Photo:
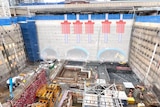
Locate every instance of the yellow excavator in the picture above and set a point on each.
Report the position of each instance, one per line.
(47, 96)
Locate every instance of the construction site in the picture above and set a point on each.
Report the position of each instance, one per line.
(79, 53)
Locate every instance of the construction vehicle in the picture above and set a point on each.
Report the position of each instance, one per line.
(47, 96)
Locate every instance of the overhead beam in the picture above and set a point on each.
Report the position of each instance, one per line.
(92, 7)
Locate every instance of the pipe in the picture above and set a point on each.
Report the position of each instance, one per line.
(77, 16)
(106, 35)
(106, 16)
(11, 88)
(89, 16)
(65, 16)
(148, 71)
(98, 43)
(121, 16)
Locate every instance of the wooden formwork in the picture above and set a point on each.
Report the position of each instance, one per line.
(143, 43)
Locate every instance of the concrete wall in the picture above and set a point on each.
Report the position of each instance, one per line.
(52, 42)
(4, 9)
(145, 52)
(12, 39)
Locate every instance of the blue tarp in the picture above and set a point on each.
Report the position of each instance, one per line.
(152, 19)
(5, 21)
(42, 3)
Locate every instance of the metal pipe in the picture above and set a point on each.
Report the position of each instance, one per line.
(106, 16)
(65, 16)
(151, 60)
(89, 16)
(77, 16)
(98, 41)
(121, 16)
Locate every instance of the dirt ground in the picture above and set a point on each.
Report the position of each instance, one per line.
(70, 74)
(4, 93)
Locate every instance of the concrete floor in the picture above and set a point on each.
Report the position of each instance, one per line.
(123, 76)
(69, 74)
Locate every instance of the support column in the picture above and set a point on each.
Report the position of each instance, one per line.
(4, 8)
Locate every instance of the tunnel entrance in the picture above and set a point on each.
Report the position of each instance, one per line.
(77, 53)
(48, 53)
(112, 55)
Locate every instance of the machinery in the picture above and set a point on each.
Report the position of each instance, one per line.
(16, 80)
(48, 64)
(47, 96)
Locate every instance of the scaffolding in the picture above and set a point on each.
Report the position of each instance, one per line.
(101, 95)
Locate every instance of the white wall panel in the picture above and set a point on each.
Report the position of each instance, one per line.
(50, 36)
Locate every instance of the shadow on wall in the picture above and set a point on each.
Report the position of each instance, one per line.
(112, 55)
(49, 53)
(77, 53)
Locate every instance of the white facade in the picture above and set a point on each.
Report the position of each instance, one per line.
(4, 8)
(51, 39)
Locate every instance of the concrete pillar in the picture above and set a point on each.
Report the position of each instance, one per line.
(4, 8)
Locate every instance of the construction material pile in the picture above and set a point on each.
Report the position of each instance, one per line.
(28, 96)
